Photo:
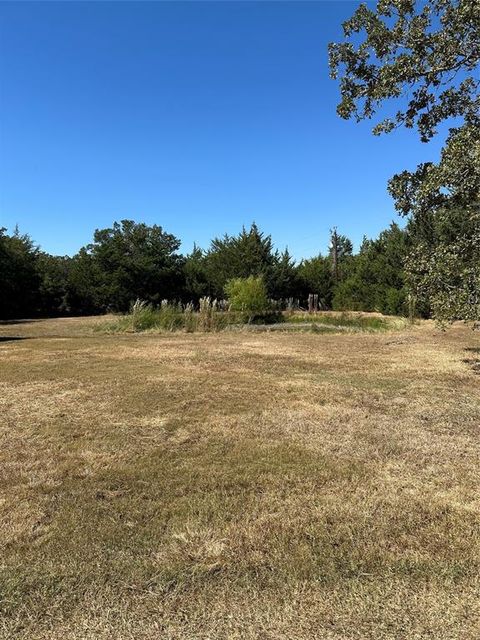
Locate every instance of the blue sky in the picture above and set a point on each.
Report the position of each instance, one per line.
(200, 117)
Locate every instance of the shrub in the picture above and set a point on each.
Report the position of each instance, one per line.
(248, 295)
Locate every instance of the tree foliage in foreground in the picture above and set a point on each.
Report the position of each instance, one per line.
(444, 265)
(425, 56)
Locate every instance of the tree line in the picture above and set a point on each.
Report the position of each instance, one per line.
(132, 260)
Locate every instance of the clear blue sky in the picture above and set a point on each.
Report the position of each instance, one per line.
(200, 117)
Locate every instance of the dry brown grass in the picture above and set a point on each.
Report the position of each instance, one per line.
(238, 486)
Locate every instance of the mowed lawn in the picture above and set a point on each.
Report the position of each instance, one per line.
(239, 485)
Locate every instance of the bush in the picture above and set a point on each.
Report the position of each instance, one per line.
(248, 295)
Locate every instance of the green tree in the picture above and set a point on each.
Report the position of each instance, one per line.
(340, 253)
(196, 276)
(19, 279)
(426, 56)
(250, 253)
(283, 277)
(376, 281)
(128, 261)
(315, 276)
(54, 273)
(86, 288)
(443, 267)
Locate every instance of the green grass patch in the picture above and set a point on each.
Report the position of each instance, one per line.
(350, 321)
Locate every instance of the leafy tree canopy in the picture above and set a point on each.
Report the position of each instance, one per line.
(444, 265)
(315, 276)
(376, 278)
(425, 56)
(250, 253)
(19, 279)
(54, 290)
(196, 277)
(340, 252)
(425, 52)
(129, 261)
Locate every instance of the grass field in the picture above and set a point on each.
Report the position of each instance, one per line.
(239, 485)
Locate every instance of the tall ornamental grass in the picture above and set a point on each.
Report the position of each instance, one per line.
(171, 316)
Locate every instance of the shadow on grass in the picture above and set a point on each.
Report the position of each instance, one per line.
(11, 338)
(473, 362)
(22, 321)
